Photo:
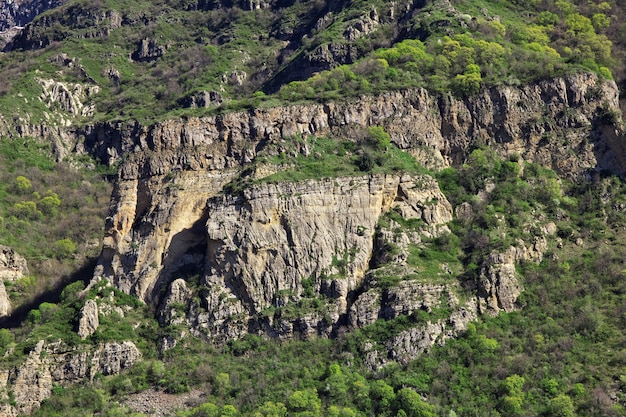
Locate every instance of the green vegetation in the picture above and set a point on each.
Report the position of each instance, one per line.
(197, 46)
(299, 159)
(50, 213)
(550, 358)
(491, 44)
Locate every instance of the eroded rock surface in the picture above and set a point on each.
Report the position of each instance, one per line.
(12, 267)
(88, 321)
(270, 245)
(55, 363)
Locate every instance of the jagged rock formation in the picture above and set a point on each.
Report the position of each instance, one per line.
(71, 98)
(15, 14)
(88, 320)
(498, 286)
(225, 263)
(12, 267)
(262, 246)
(531, 121)
(168, 218)
(20, 12)
(148, 50)
(31, 382)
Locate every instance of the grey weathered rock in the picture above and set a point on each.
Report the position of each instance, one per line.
(498, 286)
(15, 14)
(20, 12)
(71, 98)
(88, 321)
(12, 267)
(410, 343)
(202, 99)
(363, 26)
(55, 363)
(178, 295)
(166, 213)
(148, 50)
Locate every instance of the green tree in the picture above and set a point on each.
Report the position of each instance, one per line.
(49, 204)
(512, 403)
(383, 396)
(26, 210)
(6, 338)
(380, 139)
(64, 248)
(304, 403)
(23, 184)
(206, 410)
(271, 409)
(411, 403)
(229, 411)
(578, 23)
(222, 385)
(469, 82)
(336, 383)
(561, 406)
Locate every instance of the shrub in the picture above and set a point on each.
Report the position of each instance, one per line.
(380, 139)
(49, 204)
(469, 82)
(26, 210)
(6, 338)
(64, 248)
(23, 184)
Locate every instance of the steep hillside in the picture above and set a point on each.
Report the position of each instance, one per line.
(408, 208)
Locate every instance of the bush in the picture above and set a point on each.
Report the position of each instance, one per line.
(64, 248)
(23, 184)
(26, 210)
(380, 139)
(49, 204)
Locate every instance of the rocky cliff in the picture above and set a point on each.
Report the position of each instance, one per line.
(23, 387)
(15, 14)
(196, 227)
(252, 252)
(12, 267)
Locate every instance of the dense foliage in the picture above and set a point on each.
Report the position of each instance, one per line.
(550, 358)
(304, 50)
(51, 213)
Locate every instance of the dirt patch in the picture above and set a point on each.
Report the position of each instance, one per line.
(156, 403)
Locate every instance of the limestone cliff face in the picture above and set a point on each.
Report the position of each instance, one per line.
(170, 219)
(12, 267)
(55, 363)
(534, 122)
(269, 246)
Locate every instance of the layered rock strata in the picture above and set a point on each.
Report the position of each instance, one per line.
(29, 383)
(170, 218)
(12, 267)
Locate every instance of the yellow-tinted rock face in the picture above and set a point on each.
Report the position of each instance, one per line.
(272, 245)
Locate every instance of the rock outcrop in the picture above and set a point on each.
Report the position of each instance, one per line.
(532, 121)
(15, 14)
(20, 12)
(498, 286)
(148, 50)
(88, 320)
(170, 220)
(55, 363)
(71, 98)
(258, 251)
(12, 267)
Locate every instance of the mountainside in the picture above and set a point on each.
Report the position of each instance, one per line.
(408, 208)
